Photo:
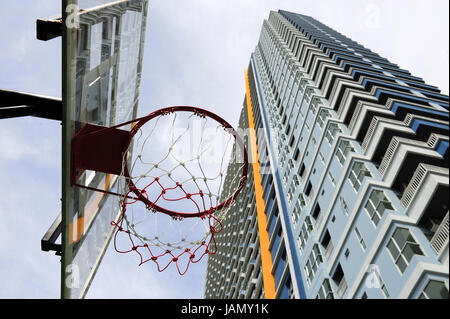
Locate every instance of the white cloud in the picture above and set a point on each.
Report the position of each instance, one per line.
(20, 140)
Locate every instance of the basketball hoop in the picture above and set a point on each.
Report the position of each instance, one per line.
(179, 171)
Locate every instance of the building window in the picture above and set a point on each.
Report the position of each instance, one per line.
(332, 130)
(381, 283)
(313, 263)
(302, 170)
(296, 154)
(344, 204)
(296, 214)
(340, 281)
(435, 290)
(376, 205)
(317, 213)
(308, 93)
(303, 84)
(301, 201)
(296, 180)
(333, 181)
(314, 104)
(325, 291)
(347, 253)
(307, 228)
(291, 164)
(357, 174)
(307, 127)
(343, 149)
(403, 248)
(322, 117)
(322, 159)
(360, 239)
(285, 178)
(327, 245)
(290, 193)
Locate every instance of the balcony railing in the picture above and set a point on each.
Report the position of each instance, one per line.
(355, 116)
(440, 238)
(369, 134)
(435, 138)
(388, 155)
(416, 181)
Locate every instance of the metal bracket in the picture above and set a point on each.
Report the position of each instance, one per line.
(48, 242)
(48, 28)
(18, 104)
(98, 148)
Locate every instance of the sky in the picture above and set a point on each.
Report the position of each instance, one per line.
(195, 54)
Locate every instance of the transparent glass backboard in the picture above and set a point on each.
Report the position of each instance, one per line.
(103, 45)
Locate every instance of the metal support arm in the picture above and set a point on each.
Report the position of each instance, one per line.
(48, 242)
(48, 28)
(18, 104)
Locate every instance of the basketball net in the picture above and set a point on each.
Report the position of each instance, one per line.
(181, 180)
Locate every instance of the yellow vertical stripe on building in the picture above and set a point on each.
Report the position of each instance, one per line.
(266, 257)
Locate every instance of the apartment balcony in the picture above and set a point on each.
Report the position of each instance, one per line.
(361, 123)
(402, 158)
(343, 94)
(380, 133)
(413, 126)
(361, 119)
(426, 201)
(423, 182)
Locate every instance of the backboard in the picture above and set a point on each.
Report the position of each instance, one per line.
(102, 51)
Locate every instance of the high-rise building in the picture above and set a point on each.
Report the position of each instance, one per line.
(348, 195)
